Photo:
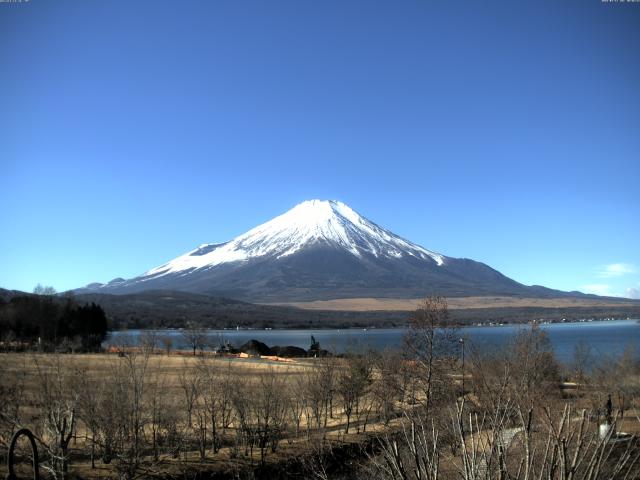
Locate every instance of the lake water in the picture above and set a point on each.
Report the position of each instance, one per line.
(606, 338)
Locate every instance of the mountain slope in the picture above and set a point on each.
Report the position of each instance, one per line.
(321, 250)
(311, 223)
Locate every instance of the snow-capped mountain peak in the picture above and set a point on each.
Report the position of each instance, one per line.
(318, 250)
(322, 222)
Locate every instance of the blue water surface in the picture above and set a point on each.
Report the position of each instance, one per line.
(606, 338)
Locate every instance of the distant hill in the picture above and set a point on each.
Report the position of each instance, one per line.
(172, 309)
(167, 309)
(176, 309)
(6, 295)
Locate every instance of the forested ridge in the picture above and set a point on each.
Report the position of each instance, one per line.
(171, 309)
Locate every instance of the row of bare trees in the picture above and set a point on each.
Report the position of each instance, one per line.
(131, 412)
(513, 420)
(503, 416)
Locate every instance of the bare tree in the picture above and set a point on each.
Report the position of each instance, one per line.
(242, 395)
(318, 462)
(203, 409)
(44, 290)
(158, 409)
(59, 408)
(297, 401)
(90, 395)
(149, 341)
(618, 377)
(195, 337)
(12, 391)
(414, 454)
(316, 397)
(556, 446)
(353, 381)
(189, 381)
(211, 399)
(261, 412)
(582, 358)
(225, 390)
(270, 411)
(123, 418)
(430, 341)
(327, 385)
(167, 343)
(388, 386)
(535, 373)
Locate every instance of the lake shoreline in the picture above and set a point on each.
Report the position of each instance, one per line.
(374, 327)
(604, 337)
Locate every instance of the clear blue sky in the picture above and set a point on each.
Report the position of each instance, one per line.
(507, 132)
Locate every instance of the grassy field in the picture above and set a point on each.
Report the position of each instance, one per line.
(163, 416)
(456, 303)
(178, 375)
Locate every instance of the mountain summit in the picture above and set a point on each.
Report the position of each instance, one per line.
(314, 223)
(320, 250)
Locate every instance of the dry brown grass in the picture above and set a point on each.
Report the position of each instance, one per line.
(170, 368)
(454, 303)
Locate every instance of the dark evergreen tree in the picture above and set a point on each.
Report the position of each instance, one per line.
(47, 322)
(314, 348)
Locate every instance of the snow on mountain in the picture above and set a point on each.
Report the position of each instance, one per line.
(319, 250)
(311, 222)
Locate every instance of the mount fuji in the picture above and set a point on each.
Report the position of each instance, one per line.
(321, 250)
